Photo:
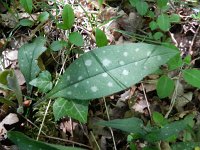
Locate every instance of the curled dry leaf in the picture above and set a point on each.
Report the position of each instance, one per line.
(140, 106)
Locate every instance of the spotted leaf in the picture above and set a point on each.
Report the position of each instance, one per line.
(72, 108)
(27, 58)
(25, 143)
(110, 69)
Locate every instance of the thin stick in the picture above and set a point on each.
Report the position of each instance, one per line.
(95, 140)
(43, 119)
(145, 96)
(65, 140)
(193, 40)
(111, 131)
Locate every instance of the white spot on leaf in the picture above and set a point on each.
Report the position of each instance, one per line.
(125, 72)
(68, 78)
(88, 62)
(137, 49)
(121, 62)
(94, 88)
(136, 63)
(104, 74)
(110, 84)
(125, 54)
(76, 85)
(158, 57)
(148, 53)
(106, 62)
(80, 78)
(69, 93)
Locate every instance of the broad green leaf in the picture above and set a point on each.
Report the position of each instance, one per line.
(187, 59)
(43, 82)
(26, 22)
(165, 86)
(25, 143)
(58, 45)
(110, 69)
(101, 39)
(159, 119)
(192, 76)
(14, 85)
(175, 18)
(163, 22)
(133, 2)
(175, 62)
(76, 39)
(73, 108)
(27, 5)
(68, 17)
(142, 7)
(43, 17)
(153, 25)
(3, 76)
(27, 58)
(162, 3)
(185, 145)
(167, 131)
(158, 35)
(130, 125)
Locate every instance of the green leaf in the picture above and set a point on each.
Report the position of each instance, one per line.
(192, 76)
(27, 5)
(166, 131)
(142, 7)
(110, 69)
(165, 86)
(27, 58)
(175, 63)
(100, 2)
(162, 3)
(153, 25)
(73, 108)
(130, 125)
(133, 2)
(15, 87)
(159, 119)
(158, 35)
(43, 17)
(58, 45)
(163, 22)
(25, 143)
(43, 82)
(3, 76)
(76, 39)
(101, 39)
(68, 17)
(175, 18)
(26, 22)
(185, 145)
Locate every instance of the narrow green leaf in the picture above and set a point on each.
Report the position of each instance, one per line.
(26, 22)
(27, 5)
(142, 7)
(110, 69)
(101, 39)
(165, 86)
(73, 108)
(130, 125)
(27, 58)
(43, 17)
(163, 22)
(192, 76)
(25, 143)
(166, 131)
(43, 82)
(68, 17)
(185, 145)
(14, 85)
(76, 39)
